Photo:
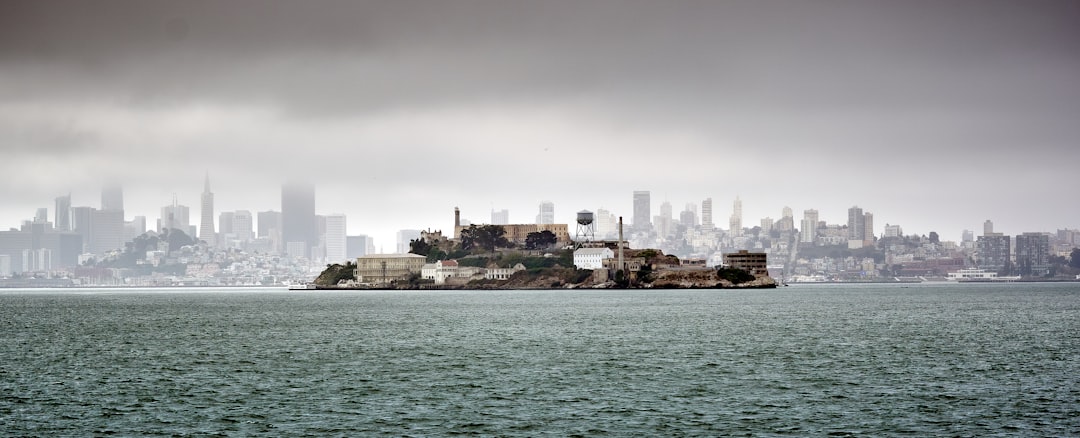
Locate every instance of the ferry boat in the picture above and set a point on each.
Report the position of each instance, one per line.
(976, 274)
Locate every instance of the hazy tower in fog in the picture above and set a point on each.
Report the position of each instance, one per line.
(62, 215)
(546, 214)
(642, 211)
(112, 198)
(736, 218)
(298, 232)
(988, 228)
(206, 225)
(706, 213)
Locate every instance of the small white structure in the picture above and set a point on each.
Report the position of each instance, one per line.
(503, 273)
(592, 258)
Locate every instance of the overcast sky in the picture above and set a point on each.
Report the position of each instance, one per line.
(935, 115)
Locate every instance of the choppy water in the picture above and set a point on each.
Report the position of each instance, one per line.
(960, 360)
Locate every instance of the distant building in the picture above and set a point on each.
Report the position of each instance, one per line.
(298, 228)
(546, 214)
(808, 233)
(988, 228)
(62, 214)
(359, 245)
(736, 219)
(753, 262)
(642, 212)
(502, 217)
(206, 225)
(1033, 254)
(592, 258)
(706, 215)
(112, 198)
(856, 224)
(404, 237)
(174, 216)
(893, 231)
(384, 268)
(992, 252)
(334, 238)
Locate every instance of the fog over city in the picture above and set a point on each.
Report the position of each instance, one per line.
(935, 115)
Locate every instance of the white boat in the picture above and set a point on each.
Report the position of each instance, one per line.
(302, 286)
(976, 274)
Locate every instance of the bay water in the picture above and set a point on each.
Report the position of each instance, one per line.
(806, 360)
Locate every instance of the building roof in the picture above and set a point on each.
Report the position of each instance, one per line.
(592, 251)
(391, 256)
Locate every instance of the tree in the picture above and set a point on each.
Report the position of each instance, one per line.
(1074, 258)
(540, 240)
(486, 237)
(934, 237)
(419, 247)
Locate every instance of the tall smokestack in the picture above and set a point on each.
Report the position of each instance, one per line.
(457, 221)
(621, 247)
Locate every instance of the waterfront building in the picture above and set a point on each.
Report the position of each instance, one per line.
(1033, 254)
(753, 262)
(642, 212)
(546, 214)
(206, 225)
(298, 230)
(384, 268)
(992, 252)
(592, 258)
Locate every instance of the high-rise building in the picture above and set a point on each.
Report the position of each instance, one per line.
(500, 217)
(1033, 254)
(664, 222)
(736, 218)
(893, 231)
(206, 225)
(766, 225)
(62, 214)
(134, 228)
(174, 217)
(225, 226)
(298, 230)
(546, 214)
(992, 252)
(856, 224)
(112, 198)
(357, 246)
(988, 228)
(243, 226)
(808, 233)
(642, 211)
(107, 231)
(607, 225)
(334, 238)
(786, 222)
(269, 227)
(967, 236)
(868, 229)
(404, 237)
(82, 224)
(689, 216)
(706, 214)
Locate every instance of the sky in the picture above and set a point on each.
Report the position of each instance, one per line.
(934, 115)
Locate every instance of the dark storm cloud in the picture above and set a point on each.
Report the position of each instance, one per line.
(825, 93)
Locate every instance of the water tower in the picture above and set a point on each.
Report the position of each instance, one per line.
(586, 227)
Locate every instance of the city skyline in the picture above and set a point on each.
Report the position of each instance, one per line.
(933, 116)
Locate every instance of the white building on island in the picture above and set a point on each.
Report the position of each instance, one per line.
(592, 258)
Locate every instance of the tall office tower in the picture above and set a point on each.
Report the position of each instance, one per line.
(706, 213)
(1033, 254)
(83, 225)
(107, 231)
(808, 233)
(642, 211)
(664, 222)
(786, 222)
(41, 216)
(868, 228)
(134, 228)
(334, 238)
(359, 245)
(206, 225)
(243, 226)
(174, 217)
(736, 218)
(689, 216)
(112, 198)
(968, 236)
(500, 217)
(992, 252)
(546, 214)
(225, 226)
(988, 228)
(62, 215)
(607, 225)
(269, 223)
(298, 232)
(404, 237)
(856, 225)
(893, 231)
(766, 225)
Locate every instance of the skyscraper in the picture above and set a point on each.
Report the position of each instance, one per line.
(992, 252)
(856, 224)
(988, 228)
(868, 229)
(175, 216)
(642, 211)
(736, 218)
(206, 225)
(546, 214)
(1033, 254)
(500, 217)
(404, 237)
(808, 233)
(706, 214)
(298, 230)
(112, 198)
(243, 226)
(334, 238)
(62, 215)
